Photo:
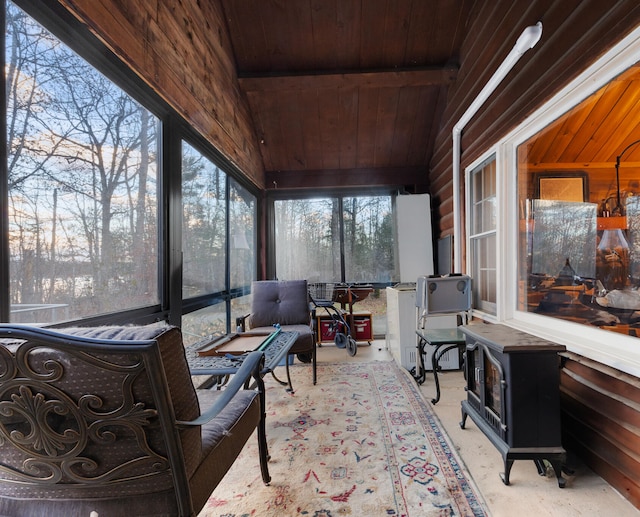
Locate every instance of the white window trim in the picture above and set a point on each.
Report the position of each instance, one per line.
(610, 348)
(477, 313)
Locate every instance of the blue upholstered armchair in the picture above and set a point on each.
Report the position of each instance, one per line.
(283, 302)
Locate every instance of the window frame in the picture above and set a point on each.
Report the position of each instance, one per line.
(618, 351)
(174, 128)
(472, 236)
(341, 194)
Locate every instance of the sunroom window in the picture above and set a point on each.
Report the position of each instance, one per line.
(82, 184)
(482, 235)
(579, 218)
(335, 239)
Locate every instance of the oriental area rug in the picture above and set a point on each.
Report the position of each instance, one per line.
(362, 442)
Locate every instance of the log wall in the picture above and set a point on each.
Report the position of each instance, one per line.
(183, 51)
(601, 406)
(575, 34)
(601, 421)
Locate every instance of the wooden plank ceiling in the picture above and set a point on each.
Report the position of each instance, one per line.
(595, 132)
(347, 87)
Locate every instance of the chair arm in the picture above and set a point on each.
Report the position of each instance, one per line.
(250, 367)
(241, 322)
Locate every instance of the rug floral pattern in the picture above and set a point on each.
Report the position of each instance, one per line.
(362, 442)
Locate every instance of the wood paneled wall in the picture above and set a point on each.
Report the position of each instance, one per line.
(182, 50)
(601, 407)
(575, 33)
(601, 421)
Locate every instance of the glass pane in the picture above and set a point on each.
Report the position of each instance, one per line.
(203, 224)
(308, 239)
(368, 239)
(578, 241)
(492, 382)
(484, 198)
(240, 306)
(484, 272)
(242, 224)
(206, 322)
(82, 176)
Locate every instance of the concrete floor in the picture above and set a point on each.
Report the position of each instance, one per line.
(529, 494)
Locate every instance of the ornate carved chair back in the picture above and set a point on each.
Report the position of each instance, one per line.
(87, 418)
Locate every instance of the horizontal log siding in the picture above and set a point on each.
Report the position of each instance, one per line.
(182, 50)
(601, 407)
(575, 34)
(601, 421)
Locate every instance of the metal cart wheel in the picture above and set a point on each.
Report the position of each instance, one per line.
(340, 340)
(352, 346)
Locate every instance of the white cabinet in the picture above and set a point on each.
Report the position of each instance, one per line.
(401, 326)
(402, 341)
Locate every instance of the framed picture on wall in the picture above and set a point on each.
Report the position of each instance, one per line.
(562, 186)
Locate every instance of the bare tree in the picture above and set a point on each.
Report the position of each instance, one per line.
(79, 148)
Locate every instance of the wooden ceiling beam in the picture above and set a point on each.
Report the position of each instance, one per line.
(331, 178)
(394, 78)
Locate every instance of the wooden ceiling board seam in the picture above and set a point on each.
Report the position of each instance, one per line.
(421, 144)
(348, 102)
(404, 126)
(466, 16)
(279, 42)
(387, 110)
(371, 40)
(348, 14)
(292, 129)
(367, 119)
(328, 123)
(395, 34)
(436, 120)
(421, 35)
(325, 35)
(310, 128)
(296, 45)
(248, 50)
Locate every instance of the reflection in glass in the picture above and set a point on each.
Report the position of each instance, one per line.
(563, 230)
(633, 225)
(612, 260)
(242, 251)
(203, 224)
